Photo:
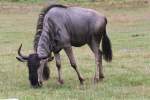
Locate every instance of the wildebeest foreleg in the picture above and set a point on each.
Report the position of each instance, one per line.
(58, 65)
(40, 71)
(70, 55)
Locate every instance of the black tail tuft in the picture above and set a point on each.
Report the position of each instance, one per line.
(46, 72)
(106, 48)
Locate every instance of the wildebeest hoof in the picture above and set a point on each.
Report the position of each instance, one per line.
(82, 81)
(61, 81)
(96, 80)
(101, 77)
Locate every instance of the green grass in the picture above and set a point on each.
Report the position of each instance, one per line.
(126, 78)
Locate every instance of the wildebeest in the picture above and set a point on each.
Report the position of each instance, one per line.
(61, 27)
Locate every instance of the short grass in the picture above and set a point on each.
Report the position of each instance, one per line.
(126, 78)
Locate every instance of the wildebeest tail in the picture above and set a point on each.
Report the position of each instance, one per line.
(106, 47)
(46, 72)
(39, 27)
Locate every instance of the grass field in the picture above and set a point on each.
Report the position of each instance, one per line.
(126, 78)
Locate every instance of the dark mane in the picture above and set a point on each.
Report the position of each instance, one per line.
(39, 27)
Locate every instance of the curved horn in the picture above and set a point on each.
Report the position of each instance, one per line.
(19, 53)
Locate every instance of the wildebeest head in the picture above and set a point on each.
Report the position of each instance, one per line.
(33, 63)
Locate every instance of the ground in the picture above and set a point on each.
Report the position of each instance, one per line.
(127, 77)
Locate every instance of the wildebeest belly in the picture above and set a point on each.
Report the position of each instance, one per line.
(80, 32)
(74, 39)
(79, 40)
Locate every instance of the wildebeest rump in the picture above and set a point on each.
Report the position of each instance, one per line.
(60, 27)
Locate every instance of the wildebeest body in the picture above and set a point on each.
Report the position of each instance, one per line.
(60, 27)
(64, 27)
(73, 26)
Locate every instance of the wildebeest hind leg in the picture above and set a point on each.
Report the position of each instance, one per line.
(58, 65)
(94, 45)
(70, 55)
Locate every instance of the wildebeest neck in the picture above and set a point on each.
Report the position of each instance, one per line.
(43, 48)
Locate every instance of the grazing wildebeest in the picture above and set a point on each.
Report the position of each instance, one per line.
(60, 27)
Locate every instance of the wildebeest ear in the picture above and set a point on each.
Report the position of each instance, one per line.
(21, 59)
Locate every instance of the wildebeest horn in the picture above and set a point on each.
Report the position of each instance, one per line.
(21, 57)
